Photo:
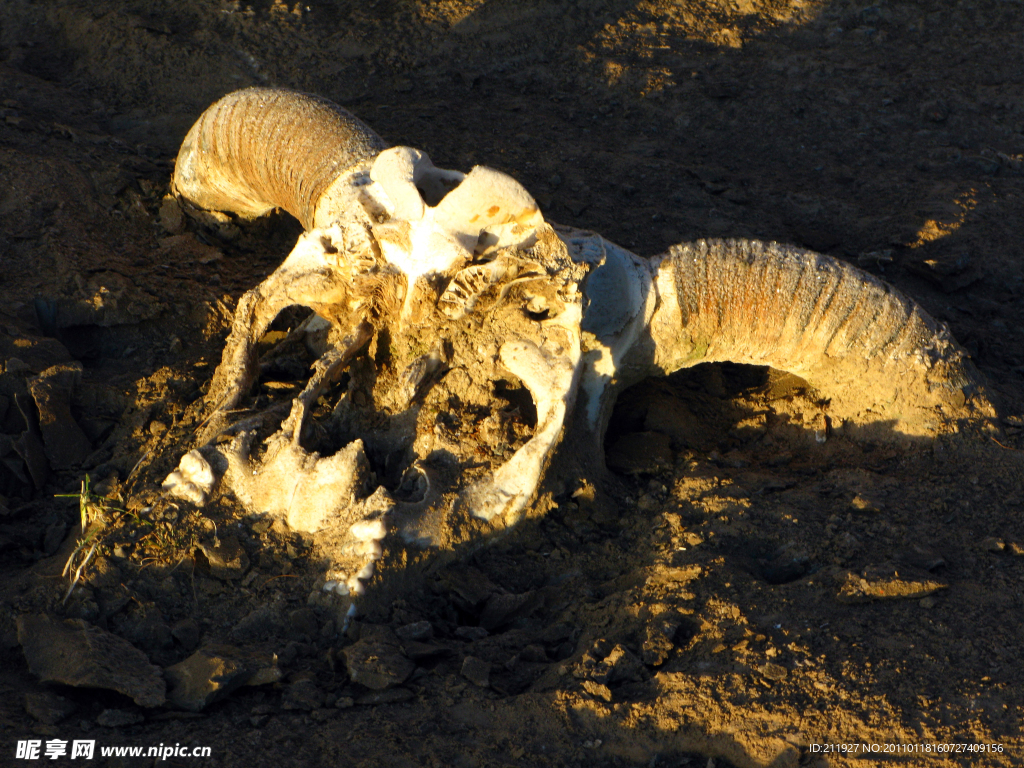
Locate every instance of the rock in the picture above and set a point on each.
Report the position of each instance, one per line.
(78, 654)
(534, 653)
(186, 632)
(597, 690)
(658, 642)
(773, 671)
(47, 707)
(171, 218)
(418, 631)
(118, 718)
(885, 582)
(623, 666)
(477, 671)
(377, 662)
(54, 537)
(469, 588)
(640, 453)
(213, 672)
(227, 559)
(303, 695)
(608, 667)
(63, 440)
(103, 573)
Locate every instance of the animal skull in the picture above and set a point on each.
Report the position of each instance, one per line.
(465, 327)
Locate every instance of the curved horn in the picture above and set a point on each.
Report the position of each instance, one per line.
(260, 148)
(878, 355)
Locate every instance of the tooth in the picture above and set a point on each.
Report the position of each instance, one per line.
(366, 572)
(338, 587)
(363, 548)
(368, 530)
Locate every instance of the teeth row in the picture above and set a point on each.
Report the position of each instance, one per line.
(194, 480)
(369, 535)
(354, 585)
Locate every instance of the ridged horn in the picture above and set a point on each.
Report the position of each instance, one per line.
(260, 148)
(876, 354)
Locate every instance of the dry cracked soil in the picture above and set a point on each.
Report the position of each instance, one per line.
(751, 590)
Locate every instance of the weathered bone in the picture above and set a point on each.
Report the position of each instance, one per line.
(319, 273)
(559, 310)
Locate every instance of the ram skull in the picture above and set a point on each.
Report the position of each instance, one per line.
(473, 338)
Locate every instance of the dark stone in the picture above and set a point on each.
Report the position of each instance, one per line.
(418, 631)
(377, 662)
(213, 672)
(54, 537)
(227, 559)
(658, 642)
(609, 666)
(262, 623)
(76, 653)
(63, 440)
(773, 671)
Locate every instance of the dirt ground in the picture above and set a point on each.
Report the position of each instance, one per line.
(757, 595)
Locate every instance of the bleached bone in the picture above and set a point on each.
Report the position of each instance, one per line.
(193, 480)
(484, 209)
(562, 314)
(551, 375)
